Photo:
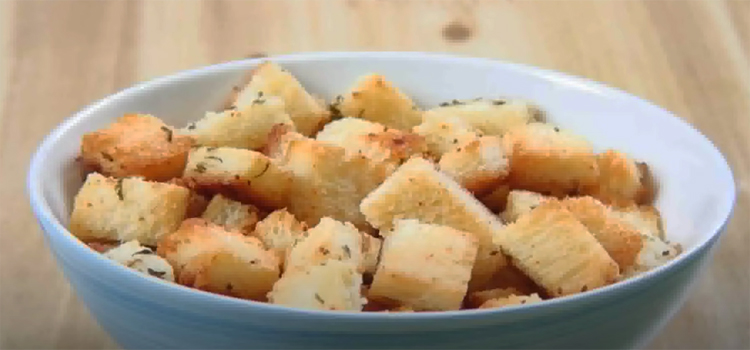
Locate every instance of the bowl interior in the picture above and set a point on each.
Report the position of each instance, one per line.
(696, 185)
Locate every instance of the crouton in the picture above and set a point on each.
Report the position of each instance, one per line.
(445, 135)
(328, 182)
(142, 259)
(240, 174)
(233, 215)
(556, 251)
(246, 127)
(520, 202)
(425, 267)
(497, 199)
(278, 140)
(546, 159)
(197, 203)
(126, 209)
(270, 79)
(655, 252)
(372, 140)
(476, 299)
(491, 117)
(328, 240)
(646, 219)
(208, 257)
(136, 145)
(479, 166)
(511, 300)
(334, 286)
(370, 253)
(377, 100)
(619, 239)
(278, 231)
(418, 191)
(510, 277)
(619, 182)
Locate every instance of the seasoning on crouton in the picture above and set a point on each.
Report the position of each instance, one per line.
(278, 231)
(142, 259)
(654, 253)
(240, 174)
(136, 145)
(373, 140)
(233, 215)
(377, 100)
(425, 267)
(443, 135)
(208, 257)
(497, 199)
(553, 248)
(521, 202)
(328, 240)
(619, 183)
(479, 166)
(269, 79)
(328, 182)
(127, 208)
(476, 299)
(246, 127)
(418, 191)
(333, 286)
(491, 117)
(546, 159)
(511, 300)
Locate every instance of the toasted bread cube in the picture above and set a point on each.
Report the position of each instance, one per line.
(278, 141)
(557, 251)
(655, 252)
(240, 174)
(370, 253)
(425, 267)
(520, 202)
(208, 257)
(479, 166)
(511, 300)
(278, 231)
(136, 145)
(491, 117)
(546, 159)
(443, 135)
(510, 277)
(497, 199)
(377, 100)
(645, 219)
(619, 182)
(328, 182)
(247, 127)
(126, 209)
(476, 299)
(142, 259)
(418, 191)
(233, 215)
(333, 286)
(375, 141)
(622, 241)
(269, 79)
(328, 240)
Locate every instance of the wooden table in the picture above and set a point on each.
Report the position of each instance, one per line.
(691, 57)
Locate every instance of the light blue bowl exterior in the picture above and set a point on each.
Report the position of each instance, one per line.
(145, 313)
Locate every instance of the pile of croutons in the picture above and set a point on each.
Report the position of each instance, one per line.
(367, 202)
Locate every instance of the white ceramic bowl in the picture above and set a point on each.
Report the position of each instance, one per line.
(696, 199)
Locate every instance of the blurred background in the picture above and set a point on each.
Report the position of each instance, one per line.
(691, 57)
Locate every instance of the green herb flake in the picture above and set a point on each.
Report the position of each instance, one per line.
(118, 189)
(215, 158)
(498, 102)
(169, 133)
(347, 251)
(158, 274)
(144, 252)
(191, 126)
(107, 156)
(201, 168)
(319, 299)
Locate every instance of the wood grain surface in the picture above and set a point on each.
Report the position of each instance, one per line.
(692, 57)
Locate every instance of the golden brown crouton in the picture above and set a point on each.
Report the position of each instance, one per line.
(425, 267)
(270, 79)
(233, 215)
(372, 140)
(332, 286)
(511, 300)
(142, 259)
(476, 299)
(655, 252)
(278, 231)
(278, 140)
(247, 127)
(619, 182)
(418, 191)
(328, 240)
(497, 199)
(479, 166)
(127, 208)
(646, 219)
(375, 99)
(546, 159)
(240, 174)
(445, 135)
(510, 277)
(520, 202)
(208, 257)
(491, 117)
(328, 182)
(136, 145)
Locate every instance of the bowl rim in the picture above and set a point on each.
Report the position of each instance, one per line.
(43, 212)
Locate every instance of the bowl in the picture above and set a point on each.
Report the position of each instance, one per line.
(696, 197)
